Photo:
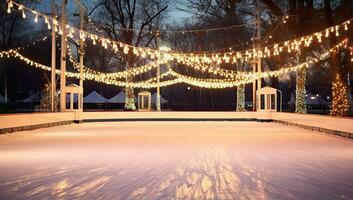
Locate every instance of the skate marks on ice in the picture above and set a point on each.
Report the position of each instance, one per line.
(198, 161)
(211, 172)
(207, 174)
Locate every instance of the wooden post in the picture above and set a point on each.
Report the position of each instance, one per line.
(53, 59)
(81, 53)
(158, 96)
(63, 57)
(257, 63)
(258, 40)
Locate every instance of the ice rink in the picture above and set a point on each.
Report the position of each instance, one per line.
(175, 160)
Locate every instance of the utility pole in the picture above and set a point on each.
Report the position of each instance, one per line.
(158, 96)
(254, 82)
(63, 57)
(257, 63)
(81, 53)
(258, 40)
(53, 58)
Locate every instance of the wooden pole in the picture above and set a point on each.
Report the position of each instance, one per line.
(158, 96)
(53, 59)
(258, 40)
(63, 57)
(81, 53)
(254, 85)
(257, 63)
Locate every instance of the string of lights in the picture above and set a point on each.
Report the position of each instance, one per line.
(289, 46)
(87, 76)
(33, 43)
(204, 83)
(115, 75)
(207, 58)
(207, 30)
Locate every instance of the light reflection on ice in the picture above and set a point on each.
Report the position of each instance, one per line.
(193, 162)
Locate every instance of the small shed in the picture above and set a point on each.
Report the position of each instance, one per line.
(74, 92)
(144, 101)
(266, 99)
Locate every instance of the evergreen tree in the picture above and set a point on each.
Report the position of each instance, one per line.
(46, 97)
(300, 103)
(340, 105)
(241, 98)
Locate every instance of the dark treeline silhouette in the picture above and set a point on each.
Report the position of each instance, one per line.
(305, 17)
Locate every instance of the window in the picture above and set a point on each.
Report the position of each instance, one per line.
(68, 100)
(75, 101)
(273, 102)
(262, 99)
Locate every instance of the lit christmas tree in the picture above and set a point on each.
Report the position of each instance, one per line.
(45, 100)
(300, 103)
(241, 98)
(129, 99)
(340, 103)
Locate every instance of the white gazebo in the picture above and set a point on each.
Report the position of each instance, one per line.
(144, 101)
(267, 99)
(74, 92)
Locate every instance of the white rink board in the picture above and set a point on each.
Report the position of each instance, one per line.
(320, 121)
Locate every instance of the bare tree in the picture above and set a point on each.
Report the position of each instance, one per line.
(132, 22)
(14, 32)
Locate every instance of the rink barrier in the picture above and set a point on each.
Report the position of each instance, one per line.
(342, 127)
(34, 127)
(175, 119)
(314, 128)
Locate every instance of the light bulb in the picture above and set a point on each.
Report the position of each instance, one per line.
(36, 19)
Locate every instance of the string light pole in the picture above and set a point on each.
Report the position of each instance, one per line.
(254, 82)
(257, 62)
(158, 95)
(81, 51)
(63, 57)
(160, 60)
(258, 40)
(53, 59)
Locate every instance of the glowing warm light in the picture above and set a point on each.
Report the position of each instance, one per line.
(203, 58)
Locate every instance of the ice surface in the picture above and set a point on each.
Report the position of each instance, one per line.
(175, 160)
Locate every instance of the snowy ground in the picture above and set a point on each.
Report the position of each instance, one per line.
(175, 160)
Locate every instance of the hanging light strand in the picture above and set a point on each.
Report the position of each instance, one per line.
(206, 58)
(204, 83)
